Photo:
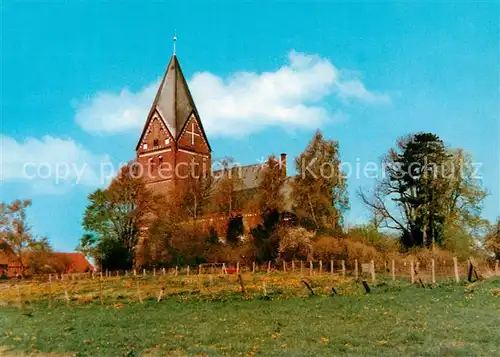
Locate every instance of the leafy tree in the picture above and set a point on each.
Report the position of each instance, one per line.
(265, 239)
(319, 188)
(295, 243)
(463, 225)
(113, 220)
(158, 247)
(195, 194)
(428, 191)
(16, 232)
(270, 193)
(39, 255)
(226, 186)
(492, 240)
(235, 229)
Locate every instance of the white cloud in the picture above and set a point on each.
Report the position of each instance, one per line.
(243, 102)
(50, 165)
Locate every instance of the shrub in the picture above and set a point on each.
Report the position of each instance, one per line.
(294, 243)
(331, 248)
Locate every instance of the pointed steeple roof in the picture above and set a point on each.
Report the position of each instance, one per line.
(173, 101)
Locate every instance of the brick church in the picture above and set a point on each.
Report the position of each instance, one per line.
(173, 140)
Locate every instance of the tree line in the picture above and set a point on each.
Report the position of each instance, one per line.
(428, 197)
(20, 247)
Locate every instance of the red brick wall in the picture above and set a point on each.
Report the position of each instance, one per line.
(168, 163)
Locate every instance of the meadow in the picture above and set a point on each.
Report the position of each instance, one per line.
(274, 315)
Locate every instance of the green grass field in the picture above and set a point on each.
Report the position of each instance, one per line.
(396, 319)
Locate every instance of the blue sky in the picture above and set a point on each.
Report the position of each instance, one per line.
(76, 77)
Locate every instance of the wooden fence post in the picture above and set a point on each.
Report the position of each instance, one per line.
(19, 297)
(393, 269)
(268, 267)
(356, 271)
(144, 272)
(135, 272)
(160, 294)
(412, 273)
(199, 269)
(154, 271)
(253, 267)
(237, 267)
(331, 267)
(497, 272)
(223, 268)
(455, 266)
(187, 270)
(101, 297)
(50, 291)
(293, 266)
(433, 271)
(163, 271)
(66, 295)
(320, 267)
(373, 269)
(301, 268)
(310, 267)
(176, 273)
(284, 266)
(139, 292)
(343, 268)
(240, 279)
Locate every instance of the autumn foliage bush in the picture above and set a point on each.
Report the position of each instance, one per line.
(330, 248)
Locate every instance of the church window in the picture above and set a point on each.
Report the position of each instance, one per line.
(145, 146)
(167, 141)
(155, 142)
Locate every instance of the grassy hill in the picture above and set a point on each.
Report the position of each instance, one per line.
(395, 319)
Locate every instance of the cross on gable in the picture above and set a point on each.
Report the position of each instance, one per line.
(192, 133)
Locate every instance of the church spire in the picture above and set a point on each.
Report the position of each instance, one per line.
(173, 101)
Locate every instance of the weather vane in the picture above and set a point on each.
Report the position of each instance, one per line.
(175, 40)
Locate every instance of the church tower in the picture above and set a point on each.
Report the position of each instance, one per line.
(173, 145)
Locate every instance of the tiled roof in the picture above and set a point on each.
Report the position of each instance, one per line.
(251, 178)
(78, 262)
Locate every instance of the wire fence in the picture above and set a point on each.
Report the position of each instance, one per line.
(432, 269)
(226, 279)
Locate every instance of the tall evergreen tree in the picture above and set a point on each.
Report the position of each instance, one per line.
(431, 188)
